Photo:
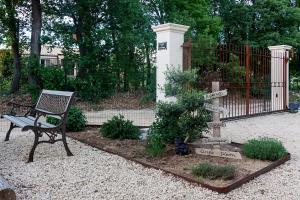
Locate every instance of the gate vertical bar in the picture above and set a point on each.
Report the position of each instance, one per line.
(284, 80)
(187, 55)
(247, 79)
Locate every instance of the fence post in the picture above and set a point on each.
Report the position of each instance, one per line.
(187, 54)
(170, 38)
(279, 77)
(248, 79)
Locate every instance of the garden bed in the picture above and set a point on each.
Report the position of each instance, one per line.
(180, 166)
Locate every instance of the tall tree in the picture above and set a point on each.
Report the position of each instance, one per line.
(261, 23)
(10, 26)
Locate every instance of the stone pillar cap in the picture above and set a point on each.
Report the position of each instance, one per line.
(170, 27)
(280, 47)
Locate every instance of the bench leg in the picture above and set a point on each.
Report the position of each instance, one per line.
(36, 142)
(69, 153)
(9, 131)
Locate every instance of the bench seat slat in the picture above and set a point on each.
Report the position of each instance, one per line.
(26, 121)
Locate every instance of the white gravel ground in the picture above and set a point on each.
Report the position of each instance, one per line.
(93, 174)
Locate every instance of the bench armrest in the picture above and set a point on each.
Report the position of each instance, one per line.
(18, 105)
(40, 113)
(44, 113)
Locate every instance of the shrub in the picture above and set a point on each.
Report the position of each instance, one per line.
(76, 120)
(118, 128)
(167, 122)
(186, 118)
(155, 146)
(53, 78)
(5, 84)
(93, 88)
(264, 149)
(207, 170)
(6, 63)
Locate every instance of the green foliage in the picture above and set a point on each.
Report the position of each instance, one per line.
(186, 118)
(294, 97)
(155, 146)
(261, 23)
(4, 85)
(264, 149)
(260, 86)
(90, 88)
(235, 73)
(51, 78)
(207, 170)
(294, 81)
(54, 78)
(179, 82)
(150, 89)
(34, 92)
(76, 120)
(196, 14)
(6, 64)
(119, 128)
(167, 122)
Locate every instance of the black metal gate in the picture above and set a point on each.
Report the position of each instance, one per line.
(256, 80)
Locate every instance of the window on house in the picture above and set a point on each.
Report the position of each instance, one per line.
(47, 62)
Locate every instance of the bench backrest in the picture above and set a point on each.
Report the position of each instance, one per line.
(53, 101)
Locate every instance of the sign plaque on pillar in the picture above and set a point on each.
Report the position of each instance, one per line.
(162, 46)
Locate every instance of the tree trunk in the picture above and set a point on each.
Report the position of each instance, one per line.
(6, 191)
(17, 65)
(148, 64)
(35, 44)
(81, 32)
(116, 64)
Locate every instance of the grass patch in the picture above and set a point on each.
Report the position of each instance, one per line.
(155, 146)
(207, 170)
(264, 149)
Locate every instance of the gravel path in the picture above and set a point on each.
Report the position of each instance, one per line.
(93, 174)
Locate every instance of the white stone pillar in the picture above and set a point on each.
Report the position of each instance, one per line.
(278, 54)
(170, 38)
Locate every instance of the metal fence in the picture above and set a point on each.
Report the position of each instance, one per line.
(246, 73)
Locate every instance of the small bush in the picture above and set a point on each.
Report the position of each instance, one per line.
(155, 146)
(166, 122)
(76, 120)
(264, 149)
(118, 128)
(207, 170)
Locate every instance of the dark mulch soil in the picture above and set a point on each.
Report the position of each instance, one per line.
(21, 99)
(129, 100)
(181, 165)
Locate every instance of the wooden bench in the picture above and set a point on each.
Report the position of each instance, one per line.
(50, 103)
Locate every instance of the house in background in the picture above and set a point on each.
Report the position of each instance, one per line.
(53, 57)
